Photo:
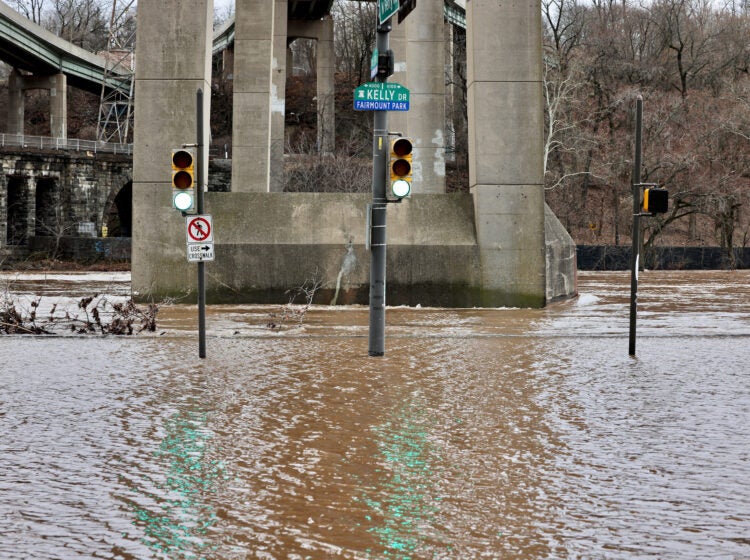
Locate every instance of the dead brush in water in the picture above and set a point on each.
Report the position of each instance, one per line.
(93, 315)
(294, 312)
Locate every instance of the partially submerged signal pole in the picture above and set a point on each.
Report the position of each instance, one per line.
(383, 67)
(648, 200)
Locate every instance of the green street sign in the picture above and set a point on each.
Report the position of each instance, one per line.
(374, 64)
(381, 96)
(386, 9)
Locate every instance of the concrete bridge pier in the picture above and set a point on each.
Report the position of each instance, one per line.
(419, 48)
(173, 60)
(262, 60)
(322, 32)
(56, 84)
(251, 125)
(506, 128)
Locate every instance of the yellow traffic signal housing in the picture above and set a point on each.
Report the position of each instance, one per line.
(400, 167)
(655, 200)
(183, 179)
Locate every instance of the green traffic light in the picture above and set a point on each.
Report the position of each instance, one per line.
(183, 201)
(400, 188)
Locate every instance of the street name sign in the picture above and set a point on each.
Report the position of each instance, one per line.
(381, 96)
(387, 9)
(374, 64)
(200, 238)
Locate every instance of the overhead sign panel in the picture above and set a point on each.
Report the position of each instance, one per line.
(381, 96)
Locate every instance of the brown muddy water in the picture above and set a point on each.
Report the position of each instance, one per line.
(497, 433)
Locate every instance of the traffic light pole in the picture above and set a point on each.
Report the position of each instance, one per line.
(199, 207)
(378, 214)
(635, 252)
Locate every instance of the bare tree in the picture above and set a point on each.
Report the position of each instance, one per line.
(32, 9)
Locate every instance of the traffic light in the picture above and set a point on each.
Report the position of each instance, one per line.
(386, 64)
(183, 179)
(655, 200)
(400, 167)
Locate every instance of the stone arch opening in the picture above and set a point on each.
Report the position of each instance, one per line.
(47, 220)
(17, 228)
(119, 216)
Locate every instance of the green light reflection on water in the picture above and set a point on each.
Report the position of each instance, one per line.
(408, 500)
(178, 522)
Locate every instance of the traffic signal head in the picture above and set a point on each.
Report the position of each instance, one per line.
(183, 179)
(400, 167)
(655, 200)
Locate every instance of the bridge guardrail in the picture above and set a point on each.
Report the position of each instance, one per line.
(68, 144)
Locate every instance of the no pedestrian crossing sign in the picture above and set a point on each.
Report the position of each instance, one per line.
(200, 238)
(381, 96)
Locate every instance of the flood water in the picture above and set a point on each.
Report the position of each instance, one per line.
(481, 434)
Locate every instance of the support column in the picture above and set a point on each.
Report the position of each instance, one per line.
(58, 101)
(425, 53)
(173, 60)
(278, 95)
(506, 125)
(251, 119)
(325, 65)
(397, 120)
(16, 103)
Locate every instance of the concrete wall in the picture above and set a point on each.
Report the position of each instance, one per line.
(268, 243)
(562, 272)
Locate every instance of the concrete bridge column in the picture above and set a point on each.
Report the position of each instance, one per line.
(322, 32)
(325, 66)
(58, 101)
(419, 48)
(173, 60)
(397, 120)
(58, 97)
(278, 95)
(251, 121)
(505, 148)
(425, 53)
(16, 103)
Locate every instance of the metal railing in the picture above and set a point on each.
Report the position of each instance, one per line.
(67, 144)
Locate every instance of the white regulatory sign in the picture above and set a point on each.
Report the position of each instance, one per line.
(200, 229)
(200, 252)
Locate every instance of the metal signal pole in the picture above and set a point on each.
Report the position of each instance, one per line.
(378, 216)
(199, 206)
(635, 252)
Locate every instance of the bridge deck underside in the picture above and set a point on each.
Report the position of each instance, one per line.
(309, 9)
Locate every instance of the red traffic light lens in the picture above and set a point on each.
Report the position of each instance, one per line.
(182, 159)
(402, 147)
